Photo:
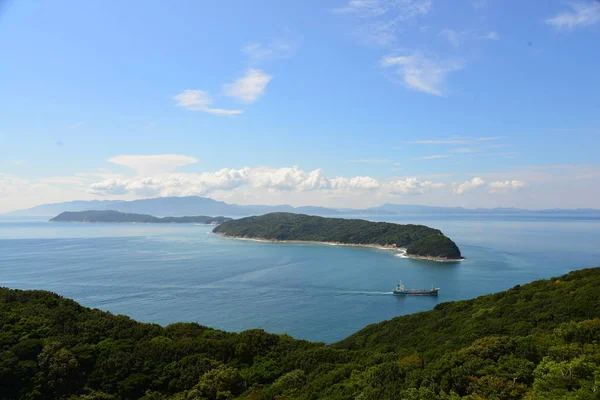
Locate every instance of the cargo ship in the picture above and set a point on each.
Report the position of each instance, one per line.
(401, 291)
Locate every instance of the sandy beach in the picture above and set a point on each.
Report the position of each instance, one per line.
(401, 251)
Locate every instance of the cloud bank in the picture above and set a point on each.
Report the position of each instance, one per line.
(287, 179)
(272, 180)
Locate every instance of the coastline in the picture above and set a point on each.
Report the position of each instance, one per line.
(401, 251)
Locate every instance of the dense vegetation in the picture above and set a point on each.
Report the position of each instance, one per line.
(537, 341)
(439, 246)
(116, 216)
(420, 240)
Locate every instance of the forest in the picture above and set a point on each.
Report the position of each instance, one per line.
(535, 341)
(419, 240)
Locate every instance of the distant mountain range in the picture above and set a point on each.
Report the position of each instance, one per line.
(193, 205)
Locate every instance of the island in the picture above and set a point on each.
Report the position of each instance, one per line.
(535, 341)
(415, 241)
(116, 216)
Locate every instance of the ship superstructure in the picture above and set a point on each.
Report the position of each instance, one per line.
(402, 291)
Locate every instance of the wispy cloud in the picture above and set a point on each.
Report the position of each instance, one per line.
(491, 36)
(249, 88)
(477, 4)
(451, 36)
(578, 130)
(579, 15)
(456, 38)
(275, 49)
(421, 73)
(465, 150)
(76, 125)
(380, 20)
(433, 157)
(458, 140)
(506, 154)
(199, 100)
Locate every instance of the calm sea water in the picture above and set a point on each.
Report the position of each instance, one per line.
(169, 273)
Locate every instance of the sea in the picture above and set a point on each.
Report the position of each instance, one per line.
(166, 273)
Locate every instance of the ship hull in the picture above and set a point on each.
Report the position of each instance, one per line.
(416, 292)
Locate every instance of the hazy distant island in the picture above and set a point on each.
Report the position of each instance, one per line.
(418, 241)
(194, 205)
(116, 216)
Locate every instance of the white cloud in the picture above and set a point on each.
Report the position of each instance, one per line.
(357, 182)
(458, 140)
(468, 185)
(492, 36)
(379, 20)
(504, 186)
(580, 15)
(277, 48)
(422, 73)
(451, 36)
(173, 184)
(199, 100)
(153, 164)
(249, 88)
(433, 157)
(292, 178)
(273, 180)
(109, 187)
(412, 185)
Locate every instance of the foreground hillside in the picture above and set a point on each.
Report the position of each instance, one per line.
(116, 216)
(536, 341)
(419, 240)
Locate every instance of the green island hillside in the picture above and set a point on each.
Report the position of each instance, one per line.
(116, 216)
(536, 341)
(419, 240)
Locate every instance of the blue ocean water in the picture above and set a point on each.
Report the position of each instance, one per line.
(166, 272)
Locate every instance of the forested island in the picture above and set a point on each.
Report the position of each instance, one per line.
(419, 241)
(536, 341)
(116, 216)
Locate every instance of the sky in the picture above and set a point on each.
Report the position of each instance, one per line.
(339, 103)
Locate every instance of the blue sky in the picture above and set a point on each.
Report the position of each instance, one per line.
(350, 103)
